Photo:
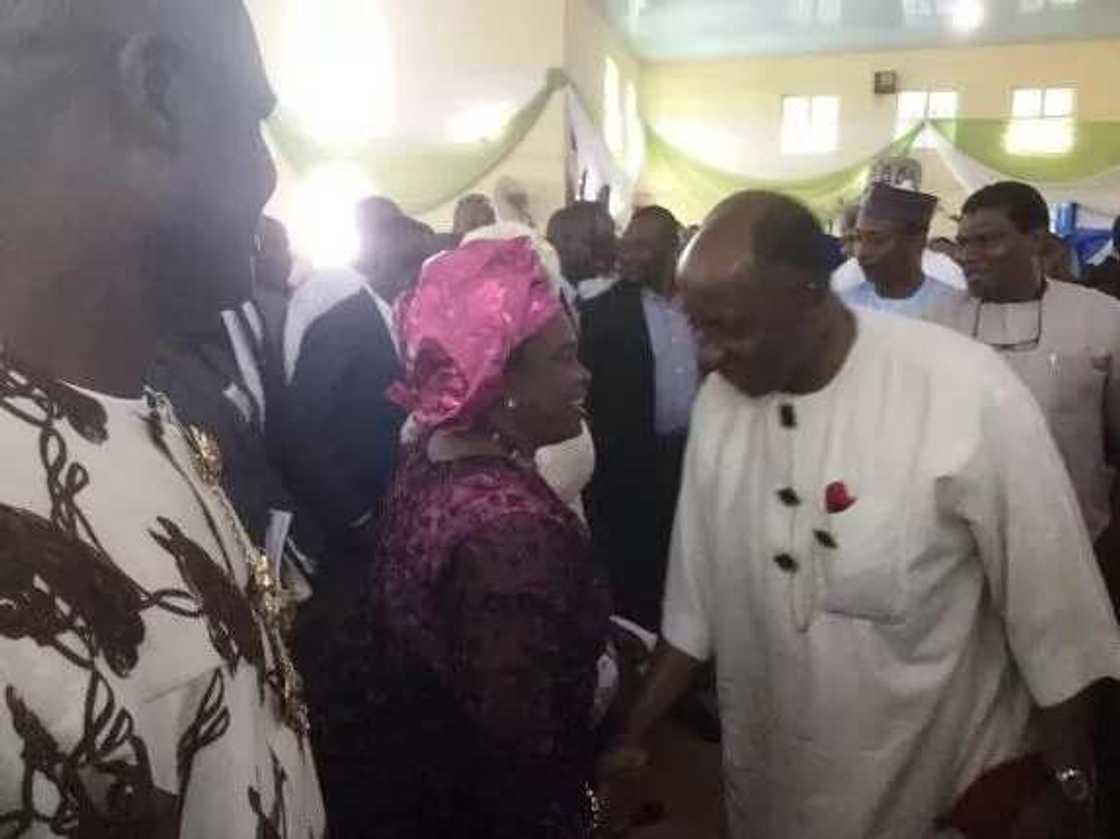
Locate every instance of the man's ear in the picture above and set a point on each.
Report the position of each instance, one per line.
(1039, 242)
(149, 74)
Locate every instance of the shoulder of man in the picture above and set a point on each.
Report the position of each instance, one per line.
(948, 306)
(323, 290)
(322, 295)
(949, 358)
(848, 276)
(853, 294)
(1100, 312)
(944, 269)
(620, 297)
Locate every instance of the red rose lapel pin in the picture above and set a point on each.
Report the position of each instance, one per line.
(838, 498)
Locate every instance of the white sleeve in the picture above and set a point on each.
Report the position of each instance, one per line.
(687, 609)
(1037, 555)
(944, 268)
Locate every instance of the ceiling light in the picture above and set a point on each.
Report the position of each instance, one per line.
(323, 226)
(967, 15)
(336, 73)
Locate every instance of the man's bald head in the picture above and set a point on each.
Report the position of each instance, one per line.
(754, 281)
(759, 230)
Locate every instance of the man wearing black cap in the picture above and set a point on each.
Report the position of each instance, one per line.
(890, 239)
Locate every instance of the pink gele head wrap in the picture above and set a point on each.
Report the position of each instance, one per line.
(471, 309)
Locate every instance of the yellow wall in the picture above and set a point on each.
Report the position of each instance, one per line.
(728, 113)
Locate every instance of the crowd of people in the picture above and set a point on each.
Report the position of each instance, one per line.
(432, 545)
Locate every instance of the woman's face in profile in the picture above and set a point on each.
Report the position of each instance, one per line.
(548, 384)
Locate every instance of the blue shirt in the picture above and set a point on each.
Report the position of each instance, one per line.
(929, 294)
(676, 371)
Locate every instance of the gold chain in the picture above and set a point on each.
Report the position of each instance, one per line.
(267, 596)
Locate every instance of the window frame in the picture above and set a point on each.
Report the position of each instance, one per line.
(799, 140)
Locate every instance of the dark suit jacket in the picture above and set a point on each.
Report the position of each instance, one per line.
(196, 373)
(632, 498)
(341, 433)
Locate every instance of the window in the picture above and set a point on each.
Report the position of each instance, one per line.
(635, 133)
(917, 106)
(808, 12)
(1041, 120)
(917, 8)
(1036, 6)
(810, 124)
(613, 120)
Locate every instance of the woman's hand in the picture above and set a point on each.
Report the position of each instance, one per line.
(619, 789)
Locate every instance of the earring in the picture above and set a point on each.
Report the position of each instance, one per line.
(511, 403)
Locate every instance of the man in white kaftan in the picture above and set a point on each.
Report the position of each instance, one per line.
(1061, 339)
(878, 544)
(864, 690)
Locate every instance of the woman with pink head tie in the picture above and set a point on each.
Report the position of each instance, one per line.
(471, 718)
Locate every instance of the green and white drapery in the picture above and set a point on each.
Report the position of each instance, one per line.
(418, 175)
(975, 151)
(424, 175)
(697, 186)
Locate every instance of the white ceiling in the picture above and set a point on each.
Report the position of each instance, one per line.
(661, 30)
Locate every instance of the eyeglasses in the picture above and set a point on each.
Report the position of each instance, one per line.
(1013, 346)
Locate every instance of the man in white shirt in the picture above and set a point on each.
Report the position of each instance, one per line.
(1062, 339)
(144, 687)
(934, 264)
(890, 238)
(877, 542)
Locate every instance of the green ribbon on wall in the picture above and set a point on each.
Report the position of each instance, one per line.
(1094, 150)
(423, 176)
(418, 176)
(700, 186)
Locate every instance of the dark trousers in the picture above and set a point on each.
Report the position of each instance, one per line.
(634, 539)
